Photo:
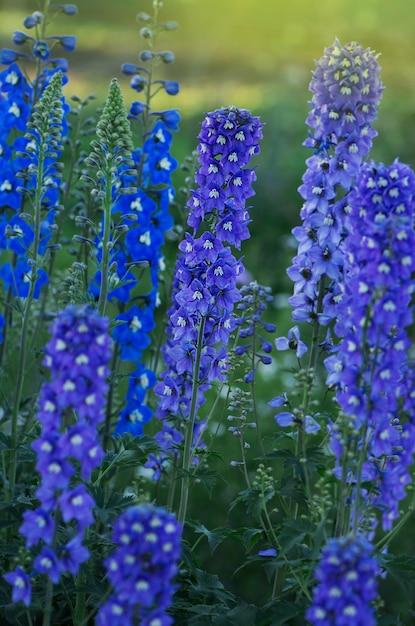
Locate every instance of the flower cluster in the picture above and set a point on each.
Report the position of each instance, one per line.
(205, 283)
(346, 91)
(346, 584)
(28, 168)
(142, 567)
(140, 211)
(371, 368)
(70, 412)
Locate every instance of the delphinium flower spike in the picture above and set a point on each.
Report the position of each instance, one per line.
(25, 275)
(22, 84)
(346, 584)
(68, 449)
(204, 286)
(144, 214)
(110, 153)
(346, 90)
(142, 567)
(371, 369)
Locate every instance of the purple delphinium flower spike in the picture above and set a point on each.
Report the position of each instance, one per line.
(371, 369)
(205, 283)
(346, 90)
(346, 584)
(142, 567)
(70, 411)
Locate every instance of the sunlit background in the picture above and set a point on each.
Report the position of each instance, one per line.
(256, 54)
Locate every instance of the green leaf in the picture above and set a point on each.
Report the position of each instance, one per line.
(209, 588)
(252, 499)
(207, 477)
(292, 488)
(280, 611)
(293, 533)
(214, 537)
(402, 568)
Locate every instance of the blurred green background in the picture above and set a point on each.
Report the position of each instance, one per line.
(256, 54)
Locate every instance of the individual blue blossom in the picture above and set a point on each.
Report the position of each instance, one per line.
(142, 566)
(292, 342)
(346, 584)
(22, 588)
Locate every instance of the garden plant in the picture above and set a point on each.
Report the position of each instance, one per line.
(143, 481)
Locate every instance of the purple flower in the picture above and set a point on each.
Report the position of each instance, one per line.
(48, 563)
(205, 285)
(38, 525)
(292, 342)
(142, 566)
(70, 410)
(346, 90)
(77, 504)
(346, 584)
(22, 588)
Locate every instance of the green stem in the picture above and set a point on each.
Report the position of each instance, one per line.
(186, 461)
(107, 204)
(25, 324)
(108, 415)
(307, 393)
(48, 604)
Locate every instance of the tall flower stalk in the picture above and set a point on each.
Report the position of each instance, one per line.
(44, 131)
(204, 286)
(372, 368)
(346, 90)
(68, 449)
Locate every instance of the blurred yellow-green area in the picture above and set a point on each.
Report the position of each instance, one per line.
(256, 54)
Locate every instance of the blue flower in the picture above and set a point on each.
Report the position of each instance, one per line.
(292, 342)
(22, 588)
(142, 566)
(346, 584)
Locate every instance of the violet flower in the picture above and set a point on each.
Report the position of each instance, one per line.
(142, 567)
(346, 584)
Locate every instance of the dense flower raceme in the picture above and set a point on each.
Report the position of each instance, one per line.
(346, 90)
(70, 412)
(346, 584)
(371, 368)
(146, 216)
(205, 283)
(20, 153)
(142, 567)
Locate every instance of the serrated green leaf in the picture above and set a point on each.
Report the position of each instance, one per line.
(292, 488)
(207, 477)
(402, 568)
(214, 537)
(282, 611)
(252, 499)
